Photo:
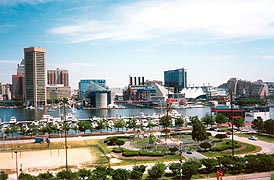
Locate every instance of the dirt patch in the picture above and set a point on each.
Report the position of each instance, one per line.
(45, 160)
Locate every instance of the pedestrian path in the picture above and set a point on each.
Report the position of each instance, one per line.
(254, 176)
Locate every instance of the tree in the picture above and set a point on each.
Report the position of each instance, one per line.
(198, 130)
(137, 172)
(100, 173)
(220, 118)
(100, 125)
(150, 125)
(45, 176)
(165, 121)
(24, 176)
(3, 175)
(269, 126)
(49, 128)
(239, 122)
(258, 124)
(119, 123)
(132, 123)
(175, 168)
(120, 174)
(84, 173)
(191, 167)
(157, 170)
(179, 121)
(220, 136)
(151, 138)
(208, 120)
(33, 130)
(66, 175)
(14, 129)
(210, 164)
(83, 126)
(205, 145)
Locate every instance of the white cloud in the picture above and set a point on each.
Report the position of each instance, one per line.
(8, 62)
(268, 57)
(210, 19)
(14, 2)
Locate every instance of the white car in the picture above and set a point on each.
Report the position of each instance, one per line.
(253, 138)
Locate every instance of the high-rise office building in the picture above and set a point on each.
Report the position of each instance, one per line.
(35, 76)
(18, 81)
(176, 78)
(58, 76)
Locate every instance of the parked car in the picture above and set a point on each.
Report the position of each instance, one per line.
(254, 138)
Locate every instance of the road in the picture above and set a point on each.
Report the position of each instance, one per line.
(267, 147)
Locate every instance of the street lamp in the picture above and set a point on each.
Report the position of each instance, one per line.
(64, 101)
(16, 164)
(232, 124)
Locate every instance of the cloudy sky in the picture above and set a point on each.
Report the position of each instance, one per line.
(111, 39)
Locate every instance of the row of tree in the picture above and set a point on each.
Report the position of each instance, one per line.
(228, 164)
(263, 126)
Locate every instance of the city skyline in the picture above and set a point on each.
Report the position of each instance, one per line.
(213, 40)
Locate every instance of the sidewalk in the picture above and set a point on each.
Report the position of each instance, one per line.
(254, 176)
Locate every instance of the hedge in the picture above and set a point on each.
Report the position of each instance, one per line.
(130, 153)
(142, 153)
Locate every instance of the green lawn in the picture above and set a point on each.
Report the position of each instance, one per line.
(245, 149)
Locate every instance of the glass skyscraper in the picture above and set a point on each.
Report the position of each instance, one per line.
(176, 78)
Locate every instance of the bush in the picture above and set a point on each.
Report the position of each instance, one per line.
(141, 153)
(173, 149)
(120, 174)
(130, 153)
(117, 150)
(220, 136)
(157, 170)
(137, 172)
(175, 168)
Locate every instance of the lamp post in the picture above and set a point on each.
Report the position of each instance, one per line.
(16, 164)
(65, 128)
(232, 124)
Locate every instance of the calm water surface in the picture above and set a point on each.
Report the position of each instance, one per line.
(23, 114)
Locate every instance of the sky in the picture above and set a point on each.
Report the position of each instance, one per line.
(113, 39)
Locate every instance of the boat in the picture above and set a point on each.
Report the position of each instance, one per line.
(71, 118)
(12, 120)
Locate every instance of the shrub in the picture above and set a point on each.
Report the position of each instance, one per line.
(137, 172)
(117, 150)
(157, 170)
(175, 168)
(120, 174)
(173, 149)
(141, 153)
(220, 136)
(130, 153)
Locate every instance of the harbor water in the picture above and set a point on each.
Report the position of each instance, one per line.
(23, 114)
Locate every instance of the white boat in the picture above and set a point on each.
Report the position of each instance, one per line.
(71, 118)
(13, 119)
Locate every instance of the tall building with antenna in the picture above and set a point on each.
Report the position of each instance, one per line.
(35, 76)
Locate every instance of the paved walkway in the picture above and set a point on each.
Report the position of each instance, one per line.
(254, 176)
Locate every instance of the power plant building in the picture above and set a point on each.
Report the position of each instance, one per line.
(35, 76)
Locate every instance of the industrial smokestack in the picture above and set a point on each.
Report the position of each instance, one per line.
(135, 81)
